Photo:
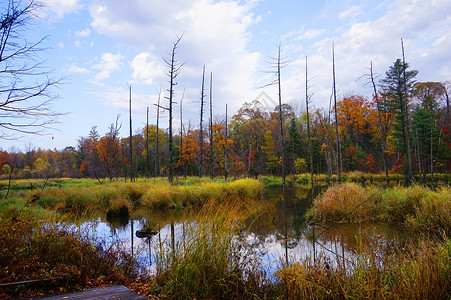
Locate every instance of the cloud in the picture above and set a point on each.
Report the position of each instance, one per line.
(424, 27)
(83, 33)
(76, 69)
(215, 33)
(148, 68)
(350, 13)
(108, 63)
(56, 9)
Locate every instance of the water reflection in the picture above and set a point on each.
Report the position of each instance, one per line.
(278, 235)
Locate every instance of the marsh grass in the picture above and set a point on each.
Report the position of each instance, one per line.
(418, 206)
(84, 197)
(416, 271)
(210, 263)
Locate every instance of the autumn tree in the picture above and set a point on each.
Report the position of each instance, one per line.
(110, 150)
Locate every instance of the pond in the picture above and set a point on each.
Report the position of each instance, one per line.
(277, 235)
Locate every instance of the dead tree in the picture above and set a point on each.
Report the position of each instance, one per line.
(157, 146)
(410, 178)
(182, 168)
(211, 129)
(225, 146)
(336, 119)
(174, 70)
(307, 100)
(201, 137)
(381, 129)
(131, 135)
(27, 84)
(147, 142)
(276, 65)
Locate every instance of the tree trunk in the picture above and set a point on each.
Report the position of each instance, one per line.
(310, 150)
(406, 124)
(201, 138)
(336, 119)
(382, 138)
(212, 175)
(225, 148)
(131, 136)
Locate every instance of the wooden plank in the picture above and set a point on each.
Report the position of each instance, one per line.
(113, 292)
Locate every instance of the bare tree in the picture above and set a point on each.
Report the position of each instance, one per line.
(131, 135)
(175, 67)
(147, 142)
(277, 63)
(201, 137)
(307, 101)
(157, 147)
(212, 175)
(410, 177)
(381, 129)
(336, 118)
(182, 167)
(25, 82)
(225, 146)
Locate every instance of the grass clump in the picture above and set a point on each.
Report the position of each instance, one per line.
(418, 206)
(416, 271)
(210, 263)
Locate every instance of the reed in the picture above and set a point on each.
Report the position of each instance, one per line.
(211, 260)
(156, 193)
(417, 206)
(416, 271)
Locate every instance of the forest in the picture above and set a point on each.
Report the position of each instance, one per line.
(249, 144)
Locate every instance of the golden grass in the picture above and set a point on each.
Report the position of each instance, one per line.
(416, 205)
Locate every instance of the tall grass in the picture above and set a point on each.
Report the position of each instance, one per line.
(416, 205)
(210, 263)
(156, 193)
(419, 271)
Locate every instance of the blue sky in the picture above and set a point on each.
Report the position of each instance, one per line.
(102, 46)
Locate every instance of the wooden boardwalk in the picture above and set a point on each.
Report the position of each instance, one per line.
(112, 292)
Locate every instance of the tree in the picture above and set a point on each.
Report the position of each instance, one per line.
(307, 101)
(201, 136)
(109, 150)
(25, 83)
(337, 136)
(398, 87)
(381, 135)
(294, 146)
(175, 67)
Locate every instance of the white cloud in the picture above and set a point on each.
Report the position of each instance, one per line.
(424, 27)
(215, 33)
(58, 8)
(83, 33)
(76, 69)
(108, 63)
(350, 13)
(148, 68)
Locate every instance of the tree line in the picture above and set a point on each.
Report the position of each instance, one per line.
(253, 138)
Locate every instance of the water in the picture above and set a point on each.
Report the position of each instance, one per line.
(280, 234)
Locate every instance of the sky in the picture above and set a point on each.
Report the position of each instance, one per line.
(101, 47)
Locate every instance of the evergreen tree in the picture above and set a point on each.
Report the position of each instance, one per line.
(398, 87)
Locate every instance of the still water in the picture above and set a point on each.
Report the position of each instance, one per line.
(277, 235)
